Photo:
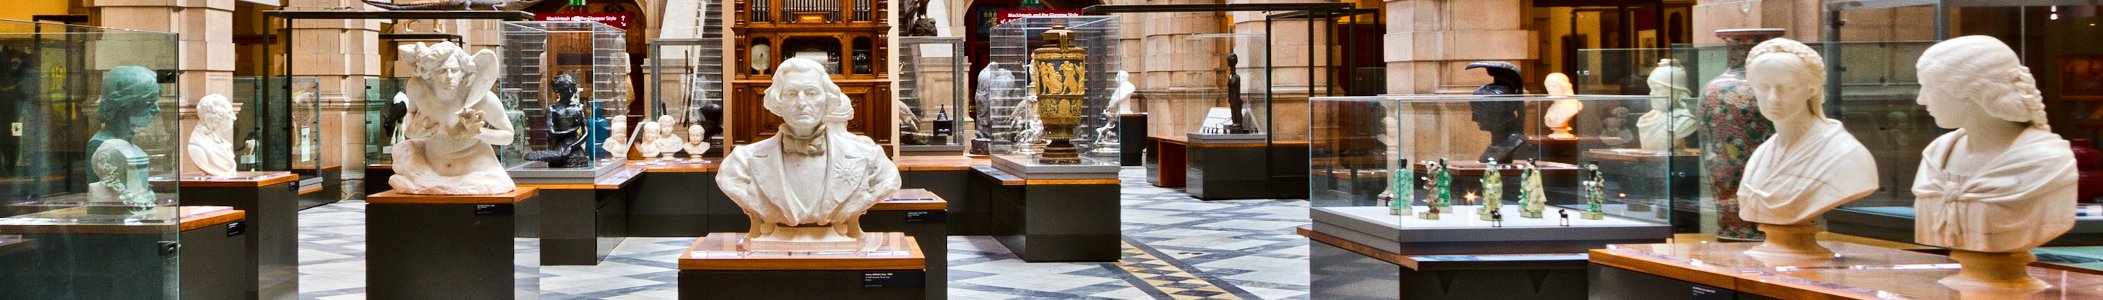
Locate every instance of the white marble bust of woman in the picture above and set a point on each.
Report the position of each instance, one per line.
(211, 146)
(1668, 119)
(2002, 183)
(1558, 116)
(1810, 166)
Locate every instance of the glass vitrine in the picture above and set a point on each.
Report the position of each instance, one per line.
(690, 73)
(931, 100)
(1203, 100)
(88, 171)
(383, 120)
(562, 79)
(1008, 101)
(1668, 125)
(285, 129)
(1460, 162)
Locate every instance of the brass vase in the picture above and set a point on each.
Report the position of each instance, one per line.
(1060, 77)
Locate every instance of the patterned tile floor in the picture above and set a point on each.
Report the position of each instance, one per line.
(1176, 247)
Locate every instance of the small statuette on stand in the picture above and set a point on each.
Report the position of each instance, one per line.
(1532, 199)
(1595, 194)
(1442, 185)
(1496, 219)
(1402, 191)
(1492, 189)
(1432, 214)
(1565, 214)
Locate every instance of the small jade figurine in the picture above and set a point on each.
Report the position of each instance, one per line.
(1430, 214)
(1492, 190)
(1532, 200)
(1595, 193)
(1442, 183)
(1402, 189)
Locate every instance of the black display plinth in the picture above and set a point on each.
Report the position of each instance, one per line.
(581, 223)
(319, 186)
(948, 177)
(1131, 139)
(678, 199)
(1054, 212)
(202, 255)
(450, 247)
(1228, 166)
(376, 178)
(273, 223)
(1342, 269)
(716, 268)
(924, 216)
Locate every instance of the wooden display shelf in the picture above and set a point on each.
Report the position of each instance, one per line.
(394, 197)
(941, 163)
(911, 199)
(192, 218)
(238, 180)
(720, 252)
(1857, 272)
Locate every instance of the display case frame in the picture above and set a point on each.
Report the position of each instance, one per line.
(1012, 44)
(296, 147)
(536, 53)
(932, 77)
(702, 89)
(58, 206)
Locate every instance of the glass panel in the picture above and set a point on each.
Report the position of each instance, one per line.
(931, 78)
(88, 200)
(1003, 101)
(693, 91)
(1358, 142)
(562, 79)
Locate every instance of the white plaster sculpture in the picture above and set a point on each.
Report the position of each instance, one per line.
(211, 146)
(616, 143)
(2002, 183)
(120, 186)
(647, 146)
(1662, 128)
(695, 144)
(453, 119)
(668, 143)
(1120, 99)
(1810, 166)
(806, 187)
(1559, 114)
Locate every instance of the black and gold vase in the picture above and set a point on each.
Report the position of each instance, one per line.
(1060, 78)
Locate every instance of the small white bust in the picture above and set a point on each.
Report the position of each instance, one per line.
(1558, 116)
(2002, 183)
(668, 143)
(697, 142)
(120, 184)
(806, 187)
(211, 146)
(1662, 128)
(1811, 165)
(616, 143)
(1120, 99)
(648, 145)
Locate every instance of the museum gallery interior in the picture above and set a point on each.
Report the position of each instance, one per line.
(1051, 149)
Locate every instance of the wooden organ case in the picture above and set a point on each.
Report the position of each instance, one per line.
(847, 36)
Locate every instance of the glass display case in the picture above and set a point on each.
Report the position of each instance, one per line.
(691, 73)
(277, 135)
(1481, 162)
(1669, 125)
(383, 120)
(1017, 124)
(1205, 99)
(88, 198)
(562, 80)
(931, 100)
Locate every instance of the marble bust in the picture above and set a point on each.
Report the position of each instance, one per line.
(667, 143)
(647, 145)
(1121, 99)
(1669, 119)
(616, 143)
(453, 119)
(1558, 116)
(211, 146)
(2002, 182)
(806, 187)
(1811, 164)
(697, 141)
(122, 187)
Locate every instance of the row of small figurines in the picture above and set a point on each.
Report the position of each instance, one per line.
(1533, 200)
(657, 139)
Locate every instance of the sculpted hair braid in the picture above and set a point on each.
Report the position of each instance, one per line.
(1984, 70)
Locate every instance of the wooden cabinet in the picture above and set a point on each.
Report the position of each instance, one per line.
(850, 42)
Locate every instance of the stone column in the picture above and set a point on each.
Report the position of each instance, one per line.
(1292, 78)
(1429, 42)
(204, 45)
(1179, 72)
(342, 54)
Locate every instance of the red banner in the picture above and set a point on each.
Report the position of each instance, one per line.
(1006, 15)
(615, 20)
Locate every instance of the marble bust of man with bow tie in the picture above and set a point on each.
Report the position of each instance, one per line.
(806, 187)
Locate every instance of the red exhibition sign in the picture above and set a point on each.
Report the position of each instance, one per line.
(1005, 15)
(610, 19)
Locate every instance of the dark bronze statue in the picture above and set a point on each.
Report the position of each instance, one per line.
(1237, 120)
(565, 127)
(1500, 117)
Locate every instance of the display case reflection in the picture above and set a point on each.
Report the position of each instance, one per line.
(563, 82)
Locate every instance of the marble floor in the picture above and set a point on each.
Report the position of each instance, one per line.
(1175, 247)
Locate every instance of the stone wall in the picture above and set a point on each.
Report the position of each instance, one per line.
(204, 46)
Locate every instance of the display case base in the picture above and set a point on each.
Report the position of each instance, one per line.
(1895, 223)
(931, 150)
(318, 186)
(273, 223)
(580, 224)
(1460, 232)
(1341, 269)
(1131, 139)
(538, 173)
(1072, 218)
(715, 268)
(948, 177)
(1707, 270)
(204, 255)
(450, 247)
(680, 200)
(924, 216)
(376, 178)
(1244, 166)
